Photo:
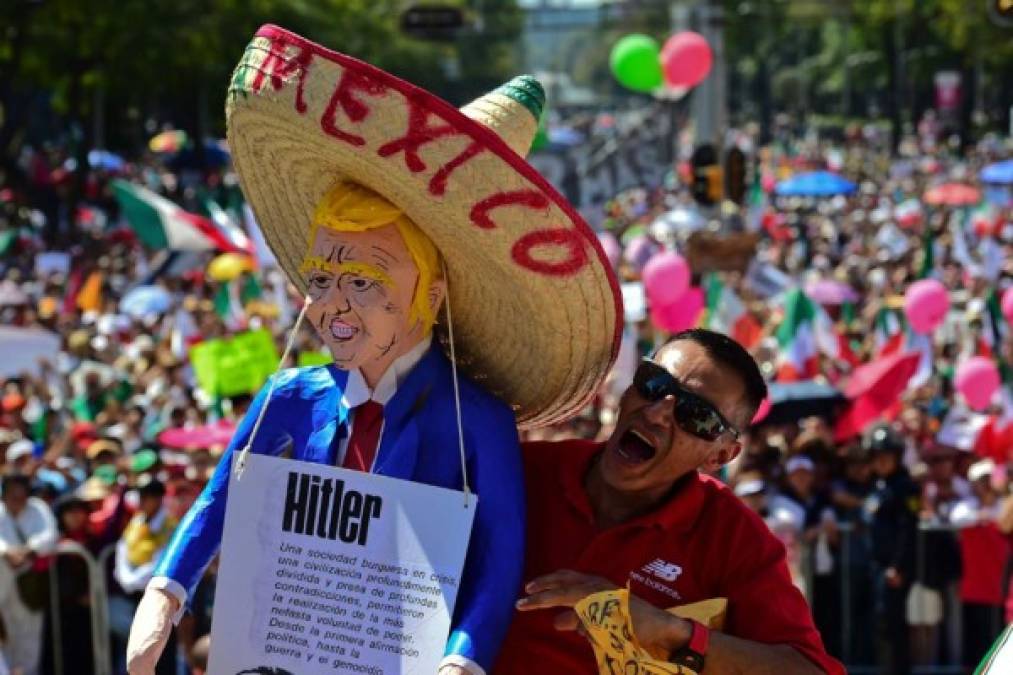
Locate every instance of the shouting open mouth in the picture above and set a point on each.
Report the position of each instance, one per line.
(636, 447)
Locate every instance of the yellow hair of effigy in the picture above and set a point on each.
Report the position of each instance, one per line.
(350, 207)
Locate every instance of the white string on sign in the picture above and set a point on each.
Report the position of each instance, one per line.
(457, 390)
(245, 452)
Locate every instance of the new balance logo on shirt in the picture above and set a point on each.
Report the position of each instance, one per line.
(649, 574)
(665, 571)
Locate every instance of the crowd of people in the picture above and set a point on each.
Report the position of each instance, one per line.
(894, 508)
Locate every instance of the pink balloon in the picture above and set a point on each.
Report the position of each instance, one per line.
(925, 305)
(680, 315)
(762, 411)
(611, 246)
(666, 277)
(977, 379)
(686, 59)
(1007, 304)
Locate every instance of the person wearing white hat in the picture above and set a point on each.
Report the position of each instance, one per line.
(984, 556)
(18, 451)
(402, 220)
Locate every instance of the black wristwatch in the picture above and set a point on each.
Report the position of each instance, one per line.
(693, 655)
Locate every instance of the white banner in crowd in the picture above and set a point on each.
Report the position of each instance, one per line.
(29, 345)
(326, 570)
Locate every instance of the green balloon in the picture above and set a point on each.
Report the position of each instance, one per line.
(541, 134)
(636, 63)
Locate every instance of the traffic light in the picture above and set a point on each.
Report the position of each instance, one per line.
(1001, 12)
(432, 22)
(735, 175)
(708, 180)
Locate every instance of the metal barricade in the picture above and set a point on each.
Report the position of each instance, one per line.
(99, 598)
(948, 630)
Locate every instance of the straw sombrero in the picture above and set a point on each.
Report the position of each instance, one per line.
(535, 304)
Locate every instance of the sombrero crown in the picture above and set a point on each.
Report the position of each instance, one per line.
(535, 304)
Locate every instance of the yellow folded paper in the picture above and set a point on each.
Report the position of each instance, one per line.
(606, 620)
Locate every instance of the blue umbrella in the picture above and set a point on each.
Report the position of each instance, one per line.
(814, 184)
(565, 136)
(216, 153)
(145, 300)
(1000, 173)
(103, 159)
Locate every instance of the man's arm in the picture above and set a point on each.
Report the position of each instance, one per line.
(44, 541)
(662, 633)
(492, 573)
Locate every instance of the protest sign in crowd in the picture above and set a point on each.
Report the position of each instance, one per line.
(870, 286)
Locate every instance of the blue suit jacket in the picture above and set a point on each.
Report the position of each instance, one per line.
(420, 444)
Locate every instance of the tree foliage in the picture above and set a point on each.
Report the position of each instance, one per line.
(169, 60)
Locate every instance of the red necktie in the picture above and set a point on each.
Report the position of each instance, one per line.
(365, 437)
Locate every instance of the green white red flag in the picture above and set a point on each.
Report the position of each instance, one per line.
(726, 313)
(805, 332)
(162, 224)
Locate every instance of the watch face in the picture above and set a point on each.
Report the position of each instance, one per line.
(690, 659)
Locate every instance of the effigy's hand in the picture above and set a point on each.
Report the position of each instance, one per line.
(150, 631)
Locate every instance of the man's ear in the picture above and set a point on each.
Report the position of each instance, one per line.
(722, 456)
(437, 292)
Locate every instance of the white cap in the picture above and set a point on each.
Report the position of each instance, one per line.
(19, 449)
(975, 472)
(799, 462)
(749, 487)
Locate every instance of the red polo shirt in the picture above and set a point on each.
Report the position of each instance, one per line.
(704, 543)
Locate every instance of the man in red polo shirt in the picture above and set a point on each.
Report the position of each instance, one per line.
(638, 510)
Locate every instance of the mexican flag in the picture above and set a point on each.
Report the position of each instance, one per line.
(908, 213)
(726, 313)
(805, 332)
(888, 331)
(228, 227)
(161, 224)
(893, 337)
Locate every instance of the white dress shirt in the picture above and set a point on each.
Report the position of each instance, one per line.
(358, 392)
(37, 524)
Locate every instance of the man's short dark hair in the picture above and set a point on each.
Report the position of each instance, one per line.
(152, 487)
(730, 353)
(13, 480)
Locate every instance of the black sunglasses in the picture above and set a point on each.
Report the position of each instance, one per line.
(694, 414)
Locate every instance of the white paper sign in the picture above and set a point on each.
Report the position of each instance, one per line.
(634, 301)
(52, 261)
(25, 347)
(326, 570)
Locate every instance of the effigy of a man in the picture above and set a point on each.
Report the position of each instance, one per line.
(399, 217)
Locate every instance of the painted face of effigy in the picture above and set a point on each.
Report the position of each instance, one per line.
(369, 300)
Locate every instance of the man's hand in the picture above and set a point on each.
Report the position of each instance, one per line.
(659, 632)
(150, 631)
(894, 579)
(17, 556)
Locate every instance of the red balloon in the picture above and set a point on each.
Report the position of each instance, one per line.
(686, 59)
